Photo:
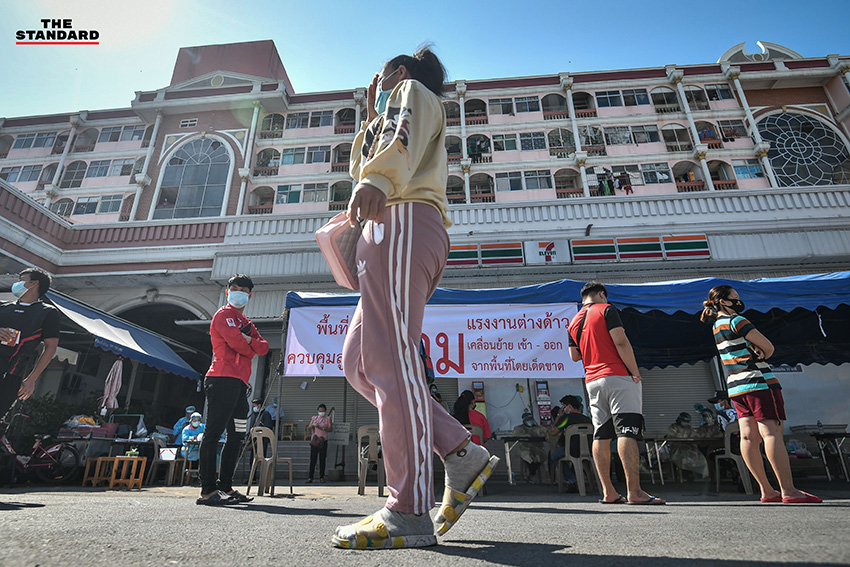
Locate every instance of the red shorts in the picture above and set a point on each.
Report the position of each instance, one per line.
(764, 405)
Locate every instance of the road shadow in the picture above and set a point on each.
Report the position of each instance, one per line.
(6, 506)
(286, 511)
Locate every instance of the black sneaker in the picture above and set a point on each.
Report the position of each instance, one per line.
(309, 481)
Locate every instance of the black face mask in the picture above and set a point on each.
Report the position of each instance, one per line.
(737, 305)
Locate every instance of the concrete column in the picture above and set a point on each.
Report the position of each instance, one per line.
(142, 179)
(75, 122)
(567, 85)
(460, 89)
(465, 165)
(581, 159)
(732, 74)
(247, 165)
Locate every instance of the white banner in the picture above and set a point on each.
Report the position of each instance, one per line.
(464, 341)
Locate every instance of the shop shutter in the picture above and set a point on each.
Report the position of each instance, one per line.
(669, 391)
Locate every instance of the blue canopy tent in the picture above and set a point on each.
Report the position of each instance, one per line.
(806, 317)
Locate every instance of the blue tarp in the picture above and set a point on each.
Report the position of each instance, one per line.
(122, 337)
(762, 295)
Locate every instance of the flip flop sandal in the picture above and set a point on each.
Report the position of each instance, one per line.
(620, 500)
(239, 497)
(770, 499)
(371, 533)
(807, 499)
(653, 501)
(216, 499)
(455, 502)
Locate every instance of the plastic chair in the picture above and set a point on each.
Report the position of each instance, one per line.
(157, 462)
(584, 432)
(372, 457)
(266, 463)
(734, 455)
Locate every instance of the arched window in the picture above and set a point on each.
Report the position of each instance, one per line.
(194, 181)
(73, 176)
(63, 207)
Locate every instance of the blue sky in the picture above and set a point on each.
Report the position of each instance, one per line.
(332, 44)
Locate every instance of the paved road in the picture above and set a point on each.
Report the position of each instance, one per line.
(523, 525)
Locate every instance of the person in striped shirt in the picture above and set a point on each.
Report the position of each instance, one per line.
(754, 391)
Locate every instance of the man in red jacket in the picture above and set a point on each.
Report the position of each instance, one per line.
(235, 341)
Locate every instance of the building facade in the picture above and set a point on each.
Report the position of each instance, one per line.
(739, 168)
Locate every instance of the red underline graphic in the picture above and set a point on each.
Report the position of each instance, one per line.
(57, 43)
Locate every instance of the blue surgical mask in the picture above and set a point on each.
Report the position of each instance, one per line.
(383, 96)
(237, 298)
(719, 407)
(322, 413)
(196, 424)
(19, 288)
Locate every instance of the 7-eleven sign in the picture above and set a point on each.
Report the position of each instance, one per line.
(546, 252)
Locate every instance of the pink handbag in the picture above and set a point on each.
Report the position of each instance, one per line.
(338, 243)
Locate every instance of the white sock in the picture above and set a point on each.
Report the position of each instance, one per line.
(462, 467)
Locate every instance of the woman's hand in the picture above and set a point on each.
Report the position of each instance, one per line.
(367, 203)
(371, 95)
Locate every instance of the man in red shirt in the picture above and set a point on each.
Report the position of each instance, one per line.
(235, 341)
(597, 338)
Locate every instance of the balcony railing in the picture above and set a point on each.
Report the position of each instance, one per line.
(563, 153)
(569, 193)
(475, 120)
(456, 199)
(79, 149)
(40, 185)
(337, 205)
(586, 113)
(57, 149)
(481, 158)
(556, 115)
(146, 143)
(344, 129)
(712, 143)
(452, 121)
(267, 134)
(679, 146)
(690, 186)
(265, 171)
(699, 105)
(597, 150)
(728, 184)
(339, 167)
(482, 198)
(667, 108)
(260, 209)
(455, 158)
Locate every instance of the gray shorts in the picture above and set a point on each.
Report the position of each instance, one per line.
(616, 407)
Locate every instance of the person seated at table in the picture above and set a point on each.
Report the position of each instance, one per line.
(708, 427)
(726, 414)
(568, 414)
(684, 455)
(181, 423)
(535, 453)
(465, 412)
(191, 433)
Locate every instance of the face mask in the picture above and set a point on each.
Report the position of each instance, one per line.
(719, 407)
(528, 423)
(737, 305)
(237, 298)
(383, 96)
(256, 409)
(196, 424)
(19, 288)
(322, 413)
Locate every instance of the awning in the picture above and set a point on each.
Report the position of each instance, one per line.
(123, 337)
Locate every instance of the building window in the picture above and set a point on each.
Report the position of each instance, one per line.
(632, 171)
(315, 193)
(501, 106)
(591, 136)
(86, 206)
(10, 174)
(540, 179)
(110, 204)
(188, 123)
(291, 156)
(635, 97)
(63, 207)
(297, 120)
(656, 173)
(719, 92)
(44, 140)
(532, 141)
(504, 142)
(319, 154)
(98, 168)
(109, 135)
(272, 122)
(645, 134)
(24, 141)
(617, 135)
(608, 98)
(509, 181)
(74, 174)
(287, 194)
(747, 169)
(131, 133)
(321, 118)
(732, 128)
(527, 104)
(30, 173)
(194, 181)
(121, 167)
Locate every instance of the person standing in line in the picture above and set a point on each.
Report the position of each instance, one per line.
(24, 325)
(755, 392)
(400, 167)
(235, 341)
(320, 425)
(598, 339)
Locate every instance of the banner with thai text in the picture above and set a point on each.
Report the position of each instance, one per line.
(469, 341)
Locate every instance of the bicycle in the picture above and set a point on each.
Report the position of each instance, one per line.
(52, 463)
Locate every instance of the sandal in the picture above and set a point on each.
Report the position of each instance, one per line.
(619, 500)
(455, 502)
(239, 497)
(217, 498)
(807, 499)
(372, 534)
(653, 501)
